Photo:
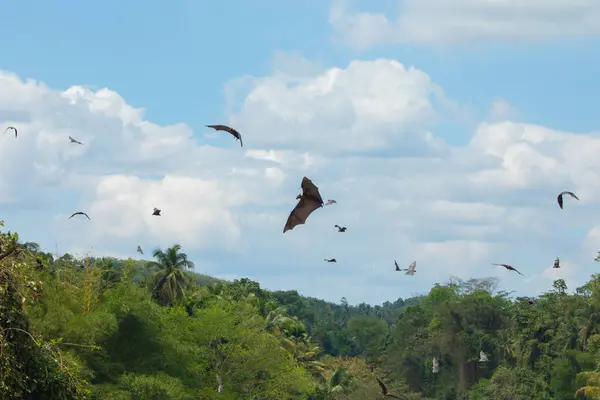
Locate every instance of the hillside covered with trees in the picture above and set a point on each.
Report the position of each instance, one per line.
(102, 328)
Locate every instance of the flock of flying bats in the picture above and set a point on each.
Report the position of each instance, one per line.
(310, 200)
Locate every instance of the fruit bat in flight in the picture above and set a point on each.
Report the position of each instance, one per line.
(79, 213)
(330, 202)
(139, 250)
(310, 200)
(228, 129)
(340, 228)
(331, 260)
(509, 267)
(13, 129)
(156, 212)
(74, 140)
(556, 263)
(397, 267)
(560, 198)
(384, 390)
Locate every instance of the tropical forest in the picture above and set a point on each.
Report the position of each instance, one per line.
(104, 328)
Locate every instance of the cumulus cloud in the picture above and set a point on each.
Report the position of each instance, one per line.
(365, 133)
(440, 21)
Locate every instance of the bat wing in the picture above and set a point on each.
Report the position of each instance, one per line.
(88, 217)
(573, 195)
(311, 191)
(300, 213)
(72, 215)
(559, 199)
(382, 386)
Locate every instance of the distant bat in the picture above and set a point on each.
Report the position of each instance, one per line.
(139, 250)
(412, 268)
(310, 200)
(340, 228)
(384, 389)
(509, 267)
(228, 129)
(156, 212)
(330, 202)
(483, 357)
(79, 213)
(331, 260)
(74, 141)
(397, 267)
(560, 198)
(12, 128)
(556, 263)
(436, 366)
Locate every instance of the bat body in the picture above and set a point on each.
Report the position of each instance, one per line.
(79, 213)
(483, 357)
(310, 200)
(397, 267)
(340, 228)
(384, 389)
(556, 263)
(559, 199)
(331, 260)
(509, 267)
(139, 250)
(12, 128)
(330, 202)
(75, 141)
(229, 130)
(156, 212)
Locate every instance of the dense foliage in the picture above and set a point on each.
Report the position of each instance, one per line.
(101, 328)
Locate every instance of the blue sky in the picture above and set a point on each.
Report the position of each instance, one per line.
(176, 59)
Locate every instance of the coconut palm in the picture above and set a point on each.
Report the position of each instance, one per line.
(169, 282)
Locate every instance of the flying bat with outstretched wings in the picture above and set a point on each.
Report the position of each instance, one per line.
(80, 213)
(156, 212)
(229, 130)
(310, 200)
(397, 266)
(559, 199)
(331, 260)
(139, 250)
(330, 202)
(75, 141)
(340, 228)
(509, 267)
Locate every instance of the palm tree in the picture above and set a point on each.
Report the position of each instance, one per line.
(169, 282)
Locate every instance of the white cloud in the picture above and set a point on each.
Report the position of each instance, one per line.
(363, 133)
(440, 21)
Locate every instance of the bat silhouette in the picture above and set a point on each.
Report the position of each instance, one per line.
(156, 212)
(412, 268)
(384, 389)
(139, 250)
(397, 267)
(310, 200)
(483, 357)
(560, 198)
(74, 141)
(79, 213)
(340, 228)
(12, 128)
(509, 267)
(228, 129)
(331, 260)
(556, 263)
(330, 202)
